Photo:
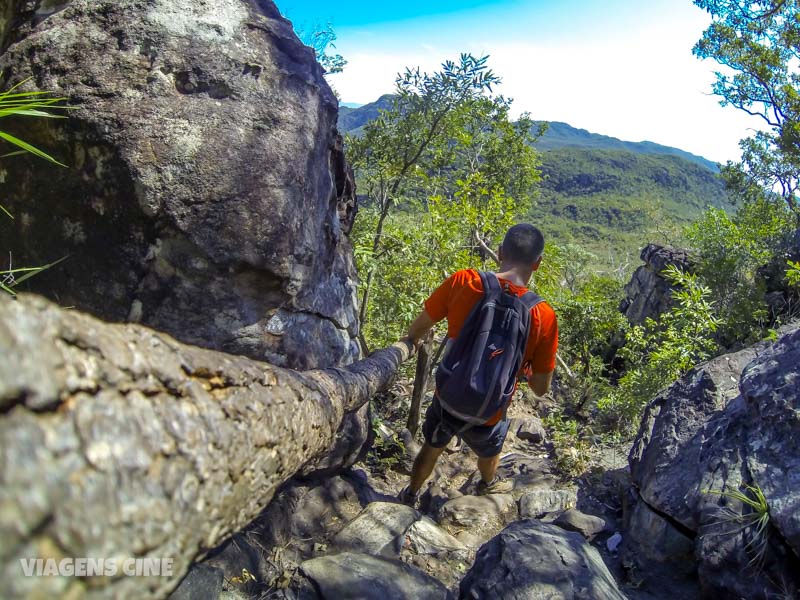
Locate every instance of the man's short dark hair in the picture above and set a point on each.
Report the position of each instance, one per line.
(523, 244)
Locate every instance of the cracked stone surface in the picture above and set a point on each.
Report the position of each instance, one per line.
(530, 559)
(205, 194)
(730, 423)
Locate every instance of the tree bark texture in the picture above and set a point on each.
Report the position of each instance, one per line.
(117, 441)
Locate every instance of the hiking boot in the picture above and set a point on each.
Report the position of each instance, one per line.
(495, 486)
(407, 497)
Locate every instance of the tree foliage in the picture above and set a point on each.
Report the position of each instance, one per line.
(730, 250)
(793, 274)
(758, 42)
(448, 165)
(658, 352)
(321, 37)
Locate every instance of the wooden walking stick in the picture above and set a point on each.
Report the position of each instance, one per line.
(424, 357)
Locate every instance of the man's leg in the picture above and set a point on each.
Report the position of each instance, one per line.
(487, 442)
(488, 467)
(423, 466)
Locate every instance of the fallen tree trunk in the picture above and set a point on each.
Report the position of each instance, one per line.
(119, 442)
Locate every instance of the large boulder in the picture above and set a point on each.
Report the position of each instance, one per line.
(365, 577)
(530, 559)
(648, 294)
(206, 194)
(729, 426)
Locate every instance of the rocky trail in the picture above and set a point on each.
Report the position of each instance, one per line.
(658, 519)
(349, 537)
(202, 399)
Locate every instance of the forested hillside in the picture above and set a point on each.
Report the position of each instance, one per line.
(609, 195)
(617, 199)
(351, 120)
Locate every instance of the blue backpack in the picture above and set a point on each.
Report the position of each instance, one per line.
(478, 374)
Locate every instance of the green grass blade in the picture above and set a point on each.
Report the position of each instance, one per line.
(24, 109)
(23, 94)
(12, 88)
(3, 208)
(39, 113)
(26, 146)
(31, 271)
(7, 289)
(22, 270)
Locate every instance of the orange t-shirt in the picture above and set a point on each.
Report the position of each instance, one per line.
(455, 298)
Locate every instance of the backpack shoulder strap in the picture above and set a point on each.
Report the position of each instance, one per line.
(531, 299)
(490, 283)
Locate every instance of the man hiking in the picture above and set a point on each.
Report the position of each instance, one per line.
(520, 255)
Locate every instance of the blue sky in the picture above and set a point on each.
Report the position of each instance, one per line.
(617, 67)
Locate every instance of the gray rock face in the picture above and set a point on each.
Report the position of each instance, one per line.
(379, 529)
(386, 528)
(307, 511)
(648, 293)
(529, 559)
(730, 423)
(530, 429)
(588, 526)
(771, 388)
(536, 503)
(365, 577)
(206, 194)
(476, 511)
(425, 537)
(202, 582)
(667, 458)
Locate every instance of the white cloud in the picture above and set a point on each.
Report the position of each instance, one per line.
(641, 86)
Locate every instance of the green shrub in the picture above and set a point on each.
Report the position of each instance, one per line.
(659, 352)
(590, 327)
(793, 274)
(572, 453)
(729, 251)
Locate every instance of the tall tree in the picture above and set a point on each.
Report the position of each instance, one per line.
(759, 44)
(446, 139)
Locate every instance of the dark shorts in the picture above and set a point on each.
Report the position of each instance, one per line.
(484, 440)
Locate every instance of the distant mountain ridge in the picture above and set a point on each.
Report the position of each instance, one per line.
(351, 120)
(563, 135)
(558, 135)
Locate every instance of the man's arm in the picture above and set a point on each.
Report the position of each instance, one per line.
(419, 328)
(542, 360)
(540, 382)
